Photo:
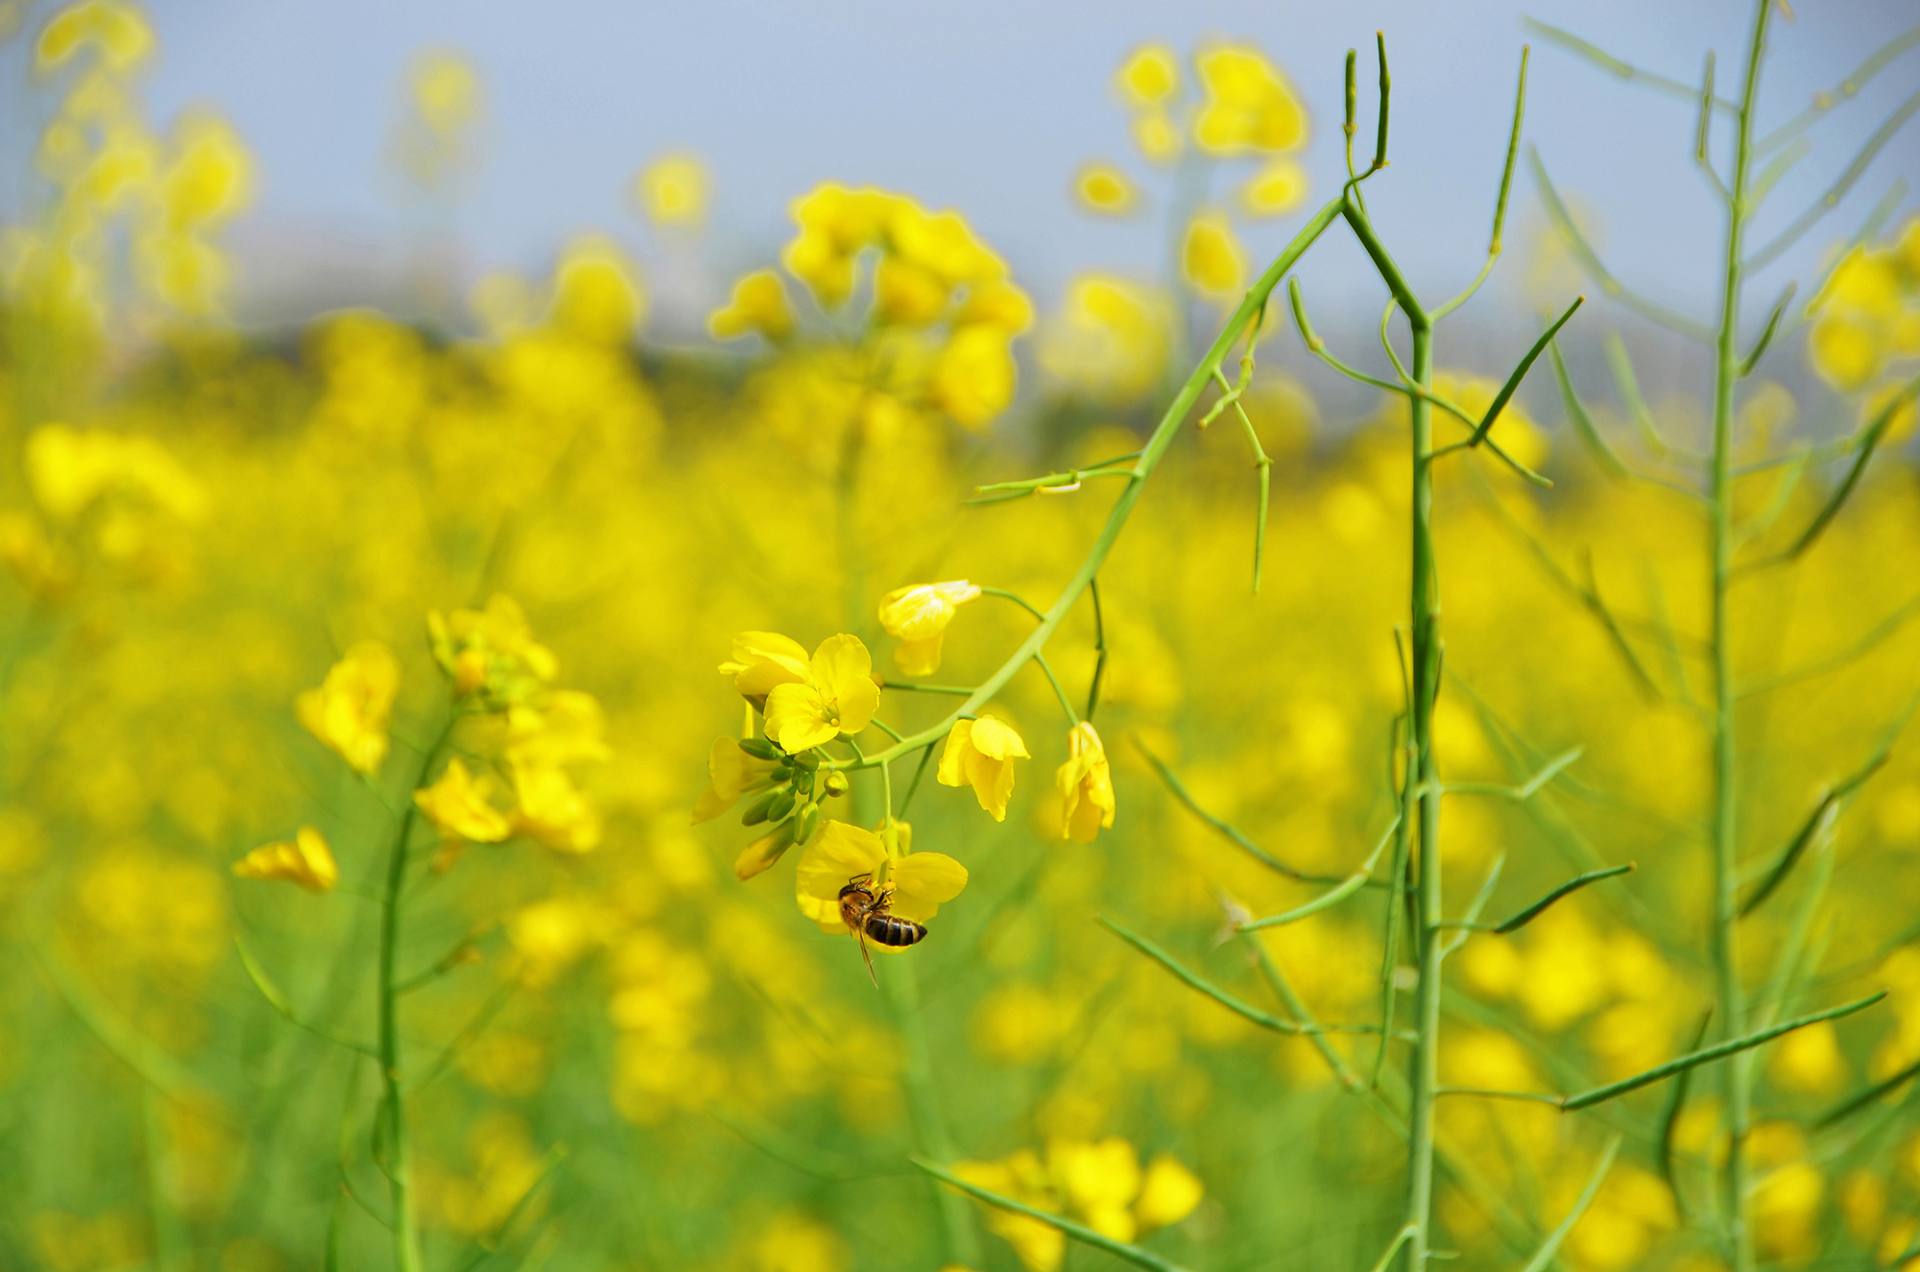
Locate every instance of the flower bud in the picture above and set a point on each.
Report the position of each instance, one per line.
(837, 784)
(782, 805)
(807, 822)
(763, 852)
(762, 808)
(760, 748)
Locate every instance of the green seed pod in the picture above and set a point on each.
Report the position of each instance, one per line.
(807, 823)
(759, 810)
(760, 748)
(837, 784)
(781, 806)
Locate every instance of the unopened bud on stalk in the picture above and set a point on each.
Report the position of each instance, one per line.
(760, 748)
(762, 808)
(837, 784)
(782, 804)
(808, 821)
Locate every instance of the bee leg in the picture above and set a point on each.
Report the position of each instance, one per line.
(860, 934)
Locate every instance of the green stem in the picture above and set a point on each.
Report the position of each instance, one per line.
(399, 1166)
(1738, 1076)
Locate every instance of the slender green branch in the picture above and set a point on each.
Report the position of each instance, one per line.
(1551, 1246)
(1870, 640)
(1870, 439)
(1719, 1051)
(1099, 648)
(1239, 1006)
(1470, 921)
(1604, 278)
(1400, 1238)
(278, 1001)
(1670, 1120)
(1359, 879)
(1523, 791)
(1225, 828)
(1079, 1232)
(1830, 199)
(1534, 911)
(1582, 422)
(1500, 202)
(1853, 1104)
(1847, 88)
(1512, 385)
(1751, 362)
(1702, 126)
(1001, 593)
(1621, 70)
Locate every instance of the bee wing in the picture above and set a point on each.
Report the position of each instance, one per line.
(866, 955)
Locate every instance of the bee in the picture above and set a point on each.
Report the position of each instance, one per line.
(866, 909)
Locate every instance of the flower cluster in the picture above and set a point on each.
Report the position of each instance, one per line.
(1100, 1183)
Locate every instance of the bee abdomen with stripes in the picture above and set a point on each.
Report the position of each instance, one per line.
(891, 929)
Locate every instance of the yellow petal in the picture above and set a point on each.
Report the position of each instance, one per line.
(992, 783)
(923, 882)
(953, 756)
(919, 657)
(997, 739)
(796, 718)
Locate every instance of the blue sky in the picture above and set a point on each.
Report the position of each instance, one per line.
(987, 106)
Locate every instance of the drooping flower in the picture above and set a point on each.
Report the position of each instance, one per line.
(763, 660)
(921, 881)
(305, 860)
(837, 697)
(1086, 786)
(461, 806)
(731, 773)
(917, 616)
(350, 710)
(980, 753)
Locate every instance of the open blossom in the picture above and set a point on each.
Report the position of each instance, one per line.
(918, 616)
(921, 881)
(836, 697)
(353, 705)
(491, 651)
(980, 753)
(731, 773)
(305, 860)
(1086, 786)
(758, 305)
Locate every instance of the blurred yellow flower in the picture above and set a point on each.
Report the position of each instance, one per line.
(1169, 1193)
(917, 616)
(980, 753)
(673, 189)
(1249, 106)
(1158, 138)
(118, 32)
(596, 293)
(461, 806)
(1211, 259)
(350, 710)
(837, 697)
(446, 92)
(212, 176)
(305, 860)
(1086, 786)
(1808, 1060)
(1103, 188)
(1275, 190)
(974, 375)
(758, 306)
(921, 881)
(490, 652)
(1110, 339)
(551, 809)
(1149, 76)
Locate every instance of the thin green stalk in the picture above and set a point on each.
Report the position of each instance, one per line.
(962, 1239)
(399, 1164)
(1079, 1232)
(1737, 1078)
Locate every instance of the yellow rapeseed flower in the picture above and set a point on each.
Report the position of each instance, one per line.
(1103, 188)
(1211, 259)
(1157, 136)
(758, 305)
(1169, 1194)
(731, 772)
(1086, 786)
(351, 709)
(974, 375)
(1274, 190)
(980, 753)
(837, 697)
(490, 652)
(918, 616)
(1249, 106)
(921, 881)
(446, 92)
(1149, 76)
(672, 190)
(118, 31)
(461, 805)
(305, 860)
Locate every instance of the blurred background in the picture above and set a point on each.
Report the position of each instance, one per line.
(605, 333)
